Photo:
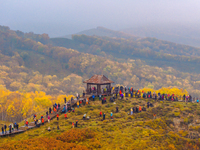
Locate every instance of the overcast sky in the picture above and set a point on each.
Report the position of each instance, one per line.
(62, 17)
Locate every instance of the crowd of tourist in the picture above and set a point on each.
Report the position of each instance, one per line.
(119, 92)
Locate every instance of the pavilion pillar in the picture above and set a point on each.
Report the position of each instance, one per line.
(87, 88)
(109, 86)
(98, 89)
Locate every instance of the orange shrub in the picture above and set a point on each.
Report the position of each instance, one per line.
(76, 135)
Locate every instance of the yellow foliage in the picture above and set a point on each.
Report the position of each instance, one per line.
(16, 104)
(164, 90)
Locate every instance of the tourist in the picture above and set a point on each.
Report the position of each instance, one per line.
(57, 116)
(104, 116)
(71, 99)
(131, 111)
(65, 100)
(5, 128)
(136, 109)
(10, 127)
(148, 104)
(54, 109)
(100, 113)
(58, 107)
(78, 104)
(111, 115)
(104, 99)
(35, 120)
(140, 109)
(76, 125)
(100, 97)
(93, 96)
(84, 116)
(46, 114)
(48, 119)
(49, 110)
(26, 123)
(65, 116)
(2, 129)
(117, 109)
(143, 108)
(87, 101)
(72, 124)
(42, 121)
(38, 123)
(154, 115)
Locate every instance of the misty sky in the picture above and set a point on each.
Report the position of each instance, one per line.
(62, 17)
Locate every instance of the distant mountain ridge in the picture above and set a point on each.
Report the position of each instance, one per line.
(101, 31)
(187, 35)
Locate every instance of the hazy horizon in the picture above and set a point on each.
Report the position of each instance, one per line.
(58, 18)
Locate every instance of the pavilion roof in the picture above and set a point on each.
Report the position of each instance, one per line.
(98, 79)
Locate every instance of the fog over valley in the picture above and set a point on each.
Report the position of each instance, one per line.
(61, 17)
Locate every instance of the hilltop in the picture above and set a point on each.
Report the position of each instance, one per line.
(31, 64)
(101, 31)
(172, 129)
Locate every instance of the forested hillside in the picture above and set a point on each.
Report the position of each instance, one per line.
(29, 66)
(68, 67)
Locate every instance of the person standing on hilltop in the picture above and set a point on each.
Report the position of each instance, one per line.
(131, 111)
(46, 114)
(42, 121)
(54, 109)
(2, 129)
(87, 101)
(71, 99)
(76, 123)
(100, 113)
(57, 116)
(104, 116)
(154, 115)
(111, 115)
(26, 123)
(10, 128)
(65, 100)
(117, 109)
(48, 119)
(5, 128)
(140, 109)
(136, 109)
(93, 96)
(78, 104)
(65, 116)
(49, 110)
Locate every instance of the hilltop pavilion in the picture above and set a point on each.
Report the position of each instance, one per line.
(98, 80)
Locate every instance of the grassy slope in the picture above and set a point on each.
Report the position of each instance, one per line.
(125, 131)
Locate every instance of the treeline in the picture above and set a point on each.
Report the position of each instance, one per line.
(145, 47)
(22, 58)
